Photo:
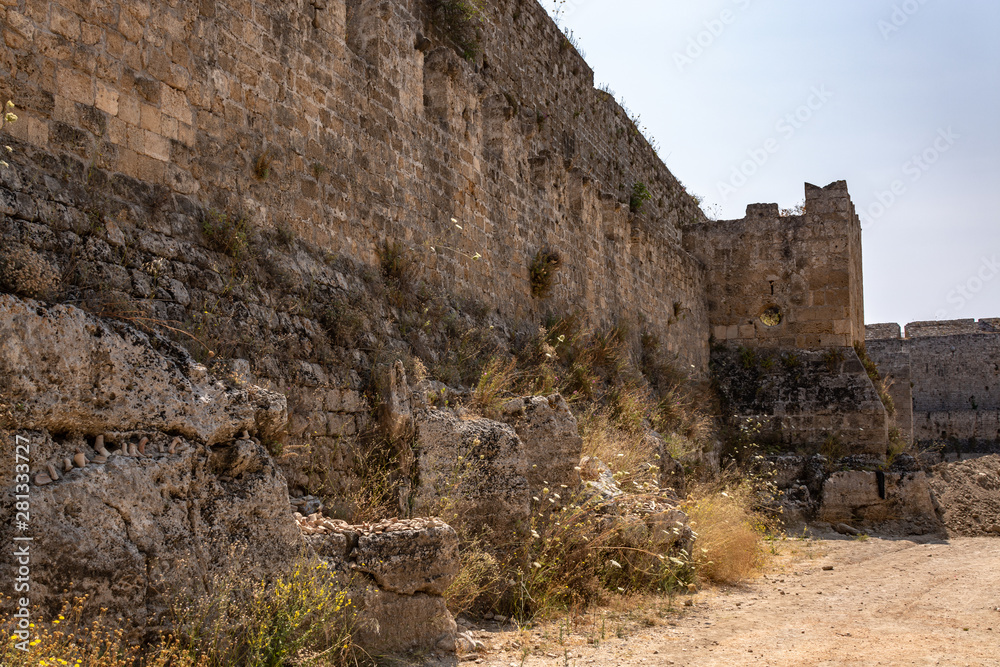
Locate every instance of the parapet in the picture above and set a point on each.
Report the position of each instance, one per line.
(933, 328)
(942, 328)
(886, 331)
(763, 211)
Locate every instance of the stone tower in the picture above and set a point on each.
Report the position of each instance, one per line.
(785, 281)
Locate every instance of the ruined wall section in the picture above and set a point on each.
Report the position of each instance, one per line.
(785, 281)
(356, 122)
(892, 356)
(955, 370)
(806, 401)
(956, 387)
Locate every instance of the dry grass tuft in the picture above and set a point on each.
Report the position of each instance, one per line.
(629, 454)
(480, 580)
(729, 547)
(495, 383)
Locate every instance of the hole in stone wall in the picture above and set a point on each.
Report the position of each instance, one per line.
(771, 317)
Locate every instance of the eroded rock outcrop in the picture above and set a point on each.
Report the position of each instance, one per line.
(70, 371)
(146, 479)
(130, 532)
(143, 476)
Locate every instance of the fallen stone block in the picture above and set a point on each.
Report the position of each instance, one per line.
(473, 472)
(551, 438)
(396, 573)
(888, 502)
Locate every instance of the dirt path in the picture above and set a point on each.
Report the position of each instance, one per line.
(884, 602)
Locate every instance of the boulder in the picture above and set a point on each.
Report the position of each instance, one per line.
(598, 481)
(786, 471)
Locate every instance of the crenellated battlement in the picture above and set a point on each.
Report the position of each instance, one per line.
(949, 371)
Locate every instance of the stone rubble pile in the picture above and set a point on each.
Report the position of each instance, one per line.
(317, 524)
(968, 495)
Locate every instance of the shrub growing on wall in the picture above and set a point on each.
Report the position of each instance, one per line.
(460, 21)
(640, 195)
(543, 270)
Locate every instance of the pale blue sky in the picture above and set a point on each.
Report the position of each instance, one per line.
(887, 80)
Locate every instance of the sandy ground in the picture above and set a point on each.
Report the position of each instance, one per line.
(825, 602)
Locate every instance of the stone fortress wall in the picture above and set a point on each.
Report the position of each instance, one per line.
(951, 369)
(349, 124)
(370, 128)
(355, 123)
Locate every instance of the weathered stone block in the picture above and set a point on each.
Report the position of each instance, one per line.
(149, 118)
(879, 499)
(75, 85)
(398, 623)
(64, 22)
(395, 411)
(410, 561)
(174, 103)
(157, 147)
(551, 439)
(472, 472)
